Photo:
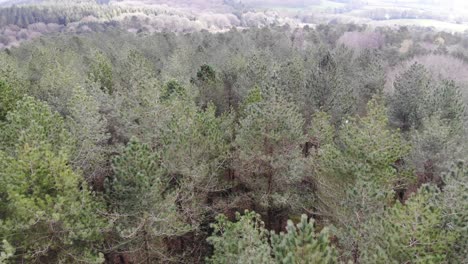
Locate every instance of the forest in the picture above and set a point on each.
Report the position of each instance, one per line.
(334, 143)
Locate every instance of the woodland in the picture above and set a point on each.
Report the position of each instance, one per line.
(338, 143)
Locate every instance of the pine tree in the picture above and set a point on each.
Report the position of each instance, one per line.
(142, 205)
(327, 90)
(407, 104)
(101, 71)
(455, 210)
(301, 244)
(363, 168)
(268, 156)
(48, 214)
(366, 150)
(371, 76)
(447, 102)
(437, 143)
(413, 232)
(194, 146)
(136, 99)
(41, 194)
(89, 127)
(33, 122)
(8, 99)
(244, 241)
(210, 88)
(172, 88)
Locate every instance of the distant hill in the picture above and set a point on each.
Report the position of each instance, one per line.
(4, 3)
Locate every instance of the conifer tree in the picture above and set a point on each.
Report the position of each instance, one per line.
(268, 157)
(413, 232)
(327, 90)
(89, 127)
(33, 122)
(243, 241)
(101, 71)
(455, 210)
(193, 145)
(371, 76)
(48, 212)
(8, 99)
(301, 244)
(447, 102)
(143, 208)
(407, 104)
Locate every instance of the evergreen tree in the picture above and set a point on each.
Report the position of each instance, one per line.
(455, 210)
(89, 127)
(33, 122)
(47, 211)
(143, 209)
(8, 99)
(407, 104)
(363, 166)
(48, 214)
(193, 145)
(413, 232)
(210, 88)
(268, 157)
(327, 90)
(245, 241)
(101, 72)
(301, 244)
(136, 99)
(172, 88)
(371, 76)
(447, 102)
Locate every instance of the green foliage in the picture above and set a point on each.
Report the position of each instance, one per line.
(301, 140)
(327, 90)
(413, 232)
(53, 77)
(33, 122)
(358, 174)
(48, 212)
(172, 88)
(301, 244)
(136, 182)
(206, 74)
(101, 72)
(371, 76)
(455, 210)
(321, 129)
(8, 99)
(89, 127)
(7, 252)
(135, 98)
(409, 98)
(437, 143)
(244, 241)
(366, 151)
(143, 210)
(211, 89)
(254, 96)
(268, 157)
(447, 102)
(371, 147)
(292, 77)
(194, 150)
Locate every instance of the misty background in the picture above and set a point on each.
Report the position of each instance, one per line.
(22, 20)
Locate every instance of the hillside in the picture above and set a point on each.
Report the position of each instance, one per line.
(226, 132)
